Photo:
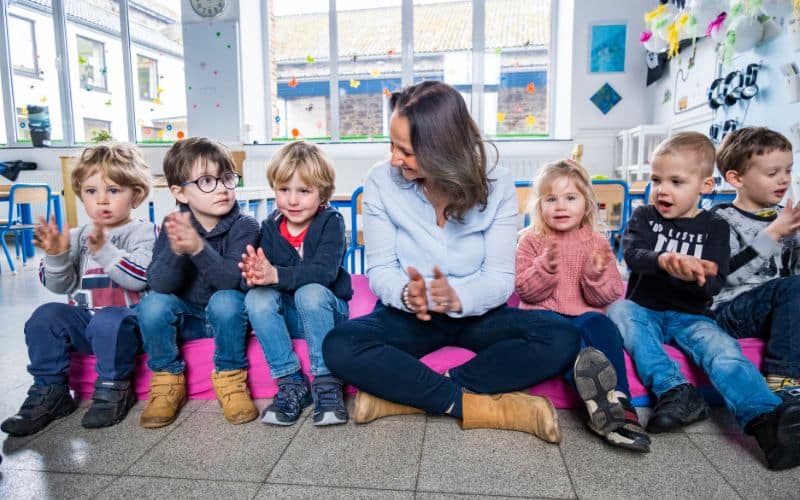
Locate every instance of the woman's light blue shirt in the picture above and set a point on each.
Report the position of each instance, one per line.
(477, 255)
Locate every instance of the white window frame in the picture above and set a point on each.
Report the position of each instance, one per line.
(153, 86)
(101, 62)
(33, 72)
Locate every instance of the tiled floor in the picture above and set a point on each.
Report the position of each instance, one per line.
(201, 456)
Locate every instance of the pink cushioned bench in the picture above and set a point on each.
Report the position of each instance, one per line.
(198, 355)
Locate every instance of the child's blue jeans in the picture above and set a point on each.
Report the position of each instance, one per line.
(770, 311)
(55, 329)
(166, 319)
(277, 317)
(644, 331)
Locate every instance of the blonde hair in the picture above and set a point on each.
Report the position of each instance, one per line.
(122, 163)
(543, 185)
(692, 142)
(306, 159)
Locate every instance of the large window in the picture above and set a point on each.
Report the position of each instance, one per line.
(91, 64)
(22, 38)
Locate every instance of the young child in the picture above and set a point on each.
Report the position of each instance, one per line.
(101, 267)
(762, 295)
(564, 265)
(300, 287)
(679, 256)
(197, 286)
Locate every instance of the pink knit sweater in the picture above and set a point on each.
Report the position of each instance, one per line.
(575, 287)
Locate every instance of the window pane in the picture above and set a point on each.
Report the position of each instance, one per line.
(369, 68)
(443, 43)
(97, 75)
(35, 80)
(517, 66)
(300, 63)
(158, 70)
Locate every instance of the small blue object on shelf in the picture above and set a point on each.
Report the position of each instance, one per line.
(605, 98)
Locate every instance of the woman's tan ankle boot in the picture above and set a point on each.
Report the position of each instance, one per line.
(234, 396)
(369, 408)
(167, 395)
(516, 411)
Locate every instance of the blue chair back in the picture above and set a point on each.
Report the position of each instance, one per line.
(356, 245)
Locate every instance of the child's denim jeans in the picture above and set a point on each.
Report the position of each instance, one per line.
(644, 331)
(166, 320)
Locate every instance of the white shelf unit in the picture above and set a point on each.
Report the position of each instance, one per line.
(633, 148)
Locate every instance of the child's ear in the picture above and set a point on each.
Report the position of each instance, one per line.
(708, 185)
(177, 193)
(733, 178)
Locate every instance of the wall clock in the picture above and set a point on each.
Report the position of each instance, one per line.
(208, 8)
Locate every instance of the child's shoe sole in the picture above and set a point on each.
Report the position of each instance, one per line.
(330, 418)
(596, 382)
(270, 417)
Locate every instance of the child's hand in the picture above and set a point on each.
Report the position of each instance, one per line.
(417, 296)
(49, 239)
(443, 295)
(183, 237)
(687, 267)
(551, 252)
(599, 260)
(96, 239)
(787, 223)
(256, 268)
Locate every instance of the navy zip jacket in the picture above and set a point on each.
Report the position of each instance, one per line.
(195, 278)
(323, 253)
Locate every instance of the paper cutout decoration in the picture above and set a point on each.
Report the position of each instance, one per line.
(667, 96)
(295, 133)
(157, 100)
(375, 73)
(215, 72)
(530, 120)
(318, 124)
(501, 117)
(180, 134)
(43, 99)
(355, 83)
(108, 102)
(517, 109)
(219, 34)
(160, 133)
(81, 60)
(605, 98)
(169, 127)
(386, 93)
(292, 83)
(390, 52)
(498, 50)
(228, 46)
(310, 107)
(531, 88)
(194, 106)
(103, 70)
(310, 59)
(277, 119)
(22, 125)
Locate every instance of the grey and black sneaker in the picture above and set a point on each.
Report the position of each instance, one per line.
(44, 404)
(293, 395)
(778, 435)
(679, 406)
(329, 406)
(596, 381)
(110, 403)
(630, 436)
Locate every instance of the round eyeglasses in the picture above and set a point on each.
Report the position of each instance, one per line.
(208, 183)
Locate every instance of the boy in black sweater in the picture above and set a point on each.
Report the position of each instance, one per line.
(300, 289)
(679, 256)
(196, 283)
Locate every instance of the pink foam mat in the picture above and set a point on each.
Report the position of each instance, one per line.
(199, 354)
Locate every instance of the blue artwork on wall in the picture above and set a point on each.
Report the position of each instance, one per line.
(605, 98)
(607, 48)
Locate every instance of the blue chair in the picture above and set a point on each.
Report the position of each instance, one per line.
(19, 221)
(613, 193)
(356, 237)
(524, 190)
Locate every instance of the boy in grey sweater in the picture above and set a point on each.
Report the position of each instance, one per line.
(761, 297)
(101, 267)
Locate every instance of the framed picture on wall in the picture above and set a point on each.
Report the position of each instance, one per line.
(607, 48)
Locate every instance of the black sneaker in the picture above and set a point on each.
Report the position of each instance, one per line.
(329, 406)
(293, 395)
(596, 382)
(679, 406)
(110, 403)
(778, 435)
(44, 404)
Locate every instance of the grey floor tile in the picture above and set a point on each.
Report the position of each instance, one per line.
(573, 418)
(293, 491)
(205, 446)
(721, 421)
(424, 495)
(741, 462)
(20, 485)
(674, 468)
(382, 455)
(161, 487)
(490, 462)
(71, 448)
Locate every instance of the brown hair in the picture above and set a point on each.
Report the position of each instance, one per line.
(182, 156)
(740, 145)
(308, 160)
(447, 144)
(119, 162)
(693, 142)
(543, 184)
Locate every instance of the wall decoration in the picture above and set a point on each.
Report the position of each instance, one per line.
(605, 98)
(292, 83)
(295, 133)
(607, 48)
(501, 117)
(667, 96)
(531, 88)
(531, 120)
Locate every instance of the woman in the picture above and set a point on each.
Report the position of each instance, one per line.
(440, 237)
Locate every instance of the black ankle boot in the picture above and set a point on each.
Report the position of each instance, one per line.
(110, 403)
(778, 435)
(679, 406)
(44, 404)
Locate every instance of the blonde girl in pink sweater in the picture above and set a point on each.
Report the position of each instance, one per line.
(564, 265)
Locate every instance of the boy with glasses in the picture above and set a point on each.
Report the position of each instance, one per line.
(197, 285)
